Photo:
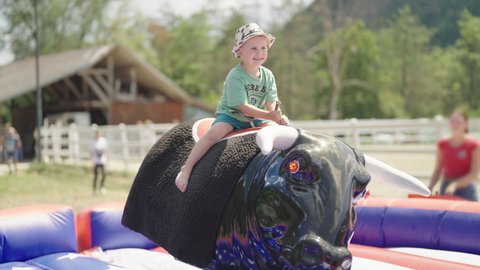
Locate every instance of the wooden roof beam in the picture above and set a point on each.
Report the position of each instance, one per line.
(73, 88)
(96, 88)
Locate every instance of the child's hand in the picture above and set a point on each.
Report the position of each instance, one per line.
(284, 121)
(275, 115)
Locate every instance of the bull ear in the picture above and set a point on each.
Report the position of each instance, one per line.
(383, 172)
(276, 137)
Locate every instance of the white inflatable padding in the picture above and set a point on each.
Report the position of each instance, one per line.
(276, 137)
(451, 256)
(360, 263)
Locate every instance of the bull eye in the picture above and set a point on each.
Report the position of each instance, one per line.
(300, 171)
(294, 166)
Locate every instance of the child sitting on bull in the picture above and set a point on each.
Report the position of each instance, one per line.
(249, 96)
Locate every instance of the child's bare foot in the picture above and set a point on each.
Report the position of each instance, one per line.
(182, 180)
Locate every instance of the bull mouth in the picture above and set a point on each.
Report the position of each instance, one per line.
(312, 252)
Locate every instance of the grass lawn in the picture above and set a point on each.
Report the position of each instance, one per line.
(61, 184)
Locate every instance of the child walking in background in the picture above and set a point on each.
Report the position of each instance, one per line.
(99, 154)
(249, 96)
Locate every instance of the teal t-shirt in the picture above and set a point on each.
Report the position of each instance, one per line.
(242, 88)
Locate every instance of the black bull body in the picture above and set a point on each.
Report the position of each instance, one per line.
(290, 207)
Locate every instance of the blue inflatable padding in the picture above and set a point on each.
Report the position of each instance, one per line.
(109, 233)
(411, 227)
(368, 228)
(18, 266)
(407, 227)
(460, 232)
(23, 237)
(70, 261)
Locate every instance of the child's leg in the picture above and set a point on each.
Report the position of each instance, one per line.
(10, 162)
(102, 171)
(15, 163)
(213, 135)
(95, 176)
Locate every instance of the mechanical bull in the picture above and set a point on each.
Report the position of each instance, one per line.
(279, 198)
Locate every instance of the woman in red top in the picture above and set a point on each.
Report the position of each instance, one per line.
(458, 160)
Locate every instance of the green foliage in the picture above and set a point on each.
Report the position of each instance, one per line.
(402, 58)
(405, 66)
(469, 56)
(346, 59)
(292, 60)
(442, 15)
(359, 98)
(222, 58)
(63, 24)
(187, 53)
(73, 24)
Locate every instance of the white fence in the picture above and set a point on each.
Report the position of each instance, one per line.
(128, 144)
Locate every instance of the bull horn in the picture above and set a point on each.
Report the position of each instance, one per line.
(276, 137)
(385, 173)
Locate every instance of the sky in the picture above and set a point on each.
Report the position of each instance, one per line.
(261, 12)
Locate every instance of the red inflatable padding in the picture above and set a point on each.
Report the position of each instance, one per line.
(449, 205)
(84, 223)
(405, 260)
(160, 249)
(84, 231)
(437, 197)
(100, 226)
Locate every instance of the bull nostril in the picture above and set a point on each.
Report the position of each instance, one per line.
(328, 258)
(310, 254)
(313, 252)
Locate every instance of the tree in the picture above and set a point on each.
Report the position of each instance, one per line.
(73, 24)
(407, 66)
(63, 24)
(128, 27)
(443, 15)
(223, 59)
(293, 63)
(360, 95)
(185, 54)
(340, 37)
(469, 56)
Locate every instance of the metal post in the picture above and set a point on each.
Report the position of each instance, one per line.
(38, 144)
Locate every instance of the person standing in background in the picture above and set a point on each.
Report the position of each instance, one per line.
(99, 154)
(458, 160)
(12, 145)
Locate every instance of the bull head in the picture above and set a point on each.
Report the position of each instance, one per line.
(283, 137)
(293, 206)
